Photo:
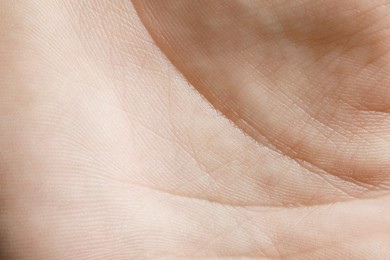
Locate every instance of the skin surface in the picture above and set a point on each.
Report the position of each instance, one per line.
(184, 129)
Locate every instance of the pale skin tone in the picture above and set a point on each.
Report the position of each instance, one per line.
(195, 129)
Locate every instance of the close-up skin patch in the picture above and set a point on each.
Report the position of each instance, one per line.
(194, 129)
(269, 66)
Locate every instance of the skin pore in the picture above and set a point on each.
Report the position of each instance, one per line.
(184, 129)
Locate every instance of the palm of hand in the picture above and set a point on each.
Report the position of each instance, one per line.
(111, 153)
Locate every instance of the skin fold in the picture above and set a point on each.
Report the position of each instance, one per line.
(183, 129)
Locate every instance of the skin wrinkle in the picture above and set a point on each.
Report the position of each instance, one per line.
(283, 148)
(310, 168)
(249, 207)
(91, 188)
(317, 170)
(301, 163)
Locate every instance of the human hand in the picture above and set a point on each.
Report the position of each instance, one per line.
(110, 151)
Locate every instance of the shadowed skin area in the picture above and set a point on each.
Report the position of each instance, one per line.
(308, 79)
(181, 129)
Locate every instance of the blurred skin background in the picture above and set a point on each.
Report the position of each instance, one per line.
(234, 129)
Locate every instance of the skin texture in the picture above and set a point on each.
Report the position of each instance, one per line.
(195, 129)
